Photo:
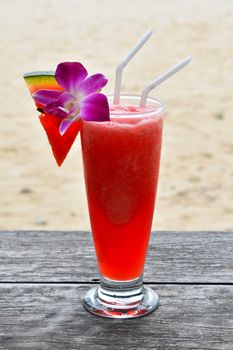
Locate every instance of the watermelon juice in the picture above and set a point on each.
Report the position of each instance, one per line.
(121, 166)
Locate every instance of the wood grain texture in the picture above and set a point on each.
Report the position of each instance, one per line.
(39, 314)
(52, 317)
(69, 257)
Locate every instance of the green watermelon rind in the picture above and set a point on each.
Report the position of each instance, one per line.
(39, 73)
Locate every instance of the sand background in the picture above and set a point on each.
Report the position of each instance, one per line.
(196, 180)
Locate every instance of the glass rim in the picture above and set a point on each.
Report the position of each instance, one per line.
(158, 105)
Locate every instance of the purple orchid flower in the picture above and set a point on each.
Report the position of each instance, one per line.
(80, 97)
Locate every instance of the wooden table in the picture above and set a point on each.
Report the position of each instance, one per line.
(44, 275)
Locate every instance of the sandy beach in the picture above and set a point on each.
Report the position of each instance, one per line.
(196, 178)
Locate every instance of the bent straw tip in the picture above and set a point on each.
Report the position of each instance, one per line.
(149, 32)
(189, 59)
(125, 61)
(162, 78)
(135, 49)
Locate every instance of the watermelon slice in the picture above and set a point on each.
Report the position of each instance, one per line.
(60, 144)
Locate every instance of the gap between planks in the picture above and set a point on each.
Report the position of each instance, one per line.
(145, 283)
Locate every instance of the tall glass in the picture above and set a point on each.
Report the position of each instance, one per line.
(121, 167)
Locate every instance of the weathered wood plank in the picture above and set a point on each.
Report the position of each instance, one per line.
(34, 316)
(69, 256)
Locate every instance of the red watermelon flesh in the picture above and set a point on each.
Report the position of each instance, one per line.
(60, 144)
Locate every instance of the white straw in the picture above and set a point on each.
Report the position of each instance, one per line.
(124, 62)
(161, 78)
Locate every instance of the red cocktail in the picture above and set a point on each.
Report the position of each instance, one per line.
(121, 165)
(121, 156)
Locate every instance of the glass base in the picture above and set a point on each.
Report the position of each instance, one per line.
(121, 300)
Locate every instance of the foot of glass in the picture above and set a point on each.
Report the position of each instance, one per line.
(121, 300)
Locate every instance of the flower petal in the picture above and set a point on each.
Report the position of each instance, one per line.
(95, 108)
(64, 126)
(55, 109)
(46, 96)
(93, 84)
(70, 75)
(66, 100)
